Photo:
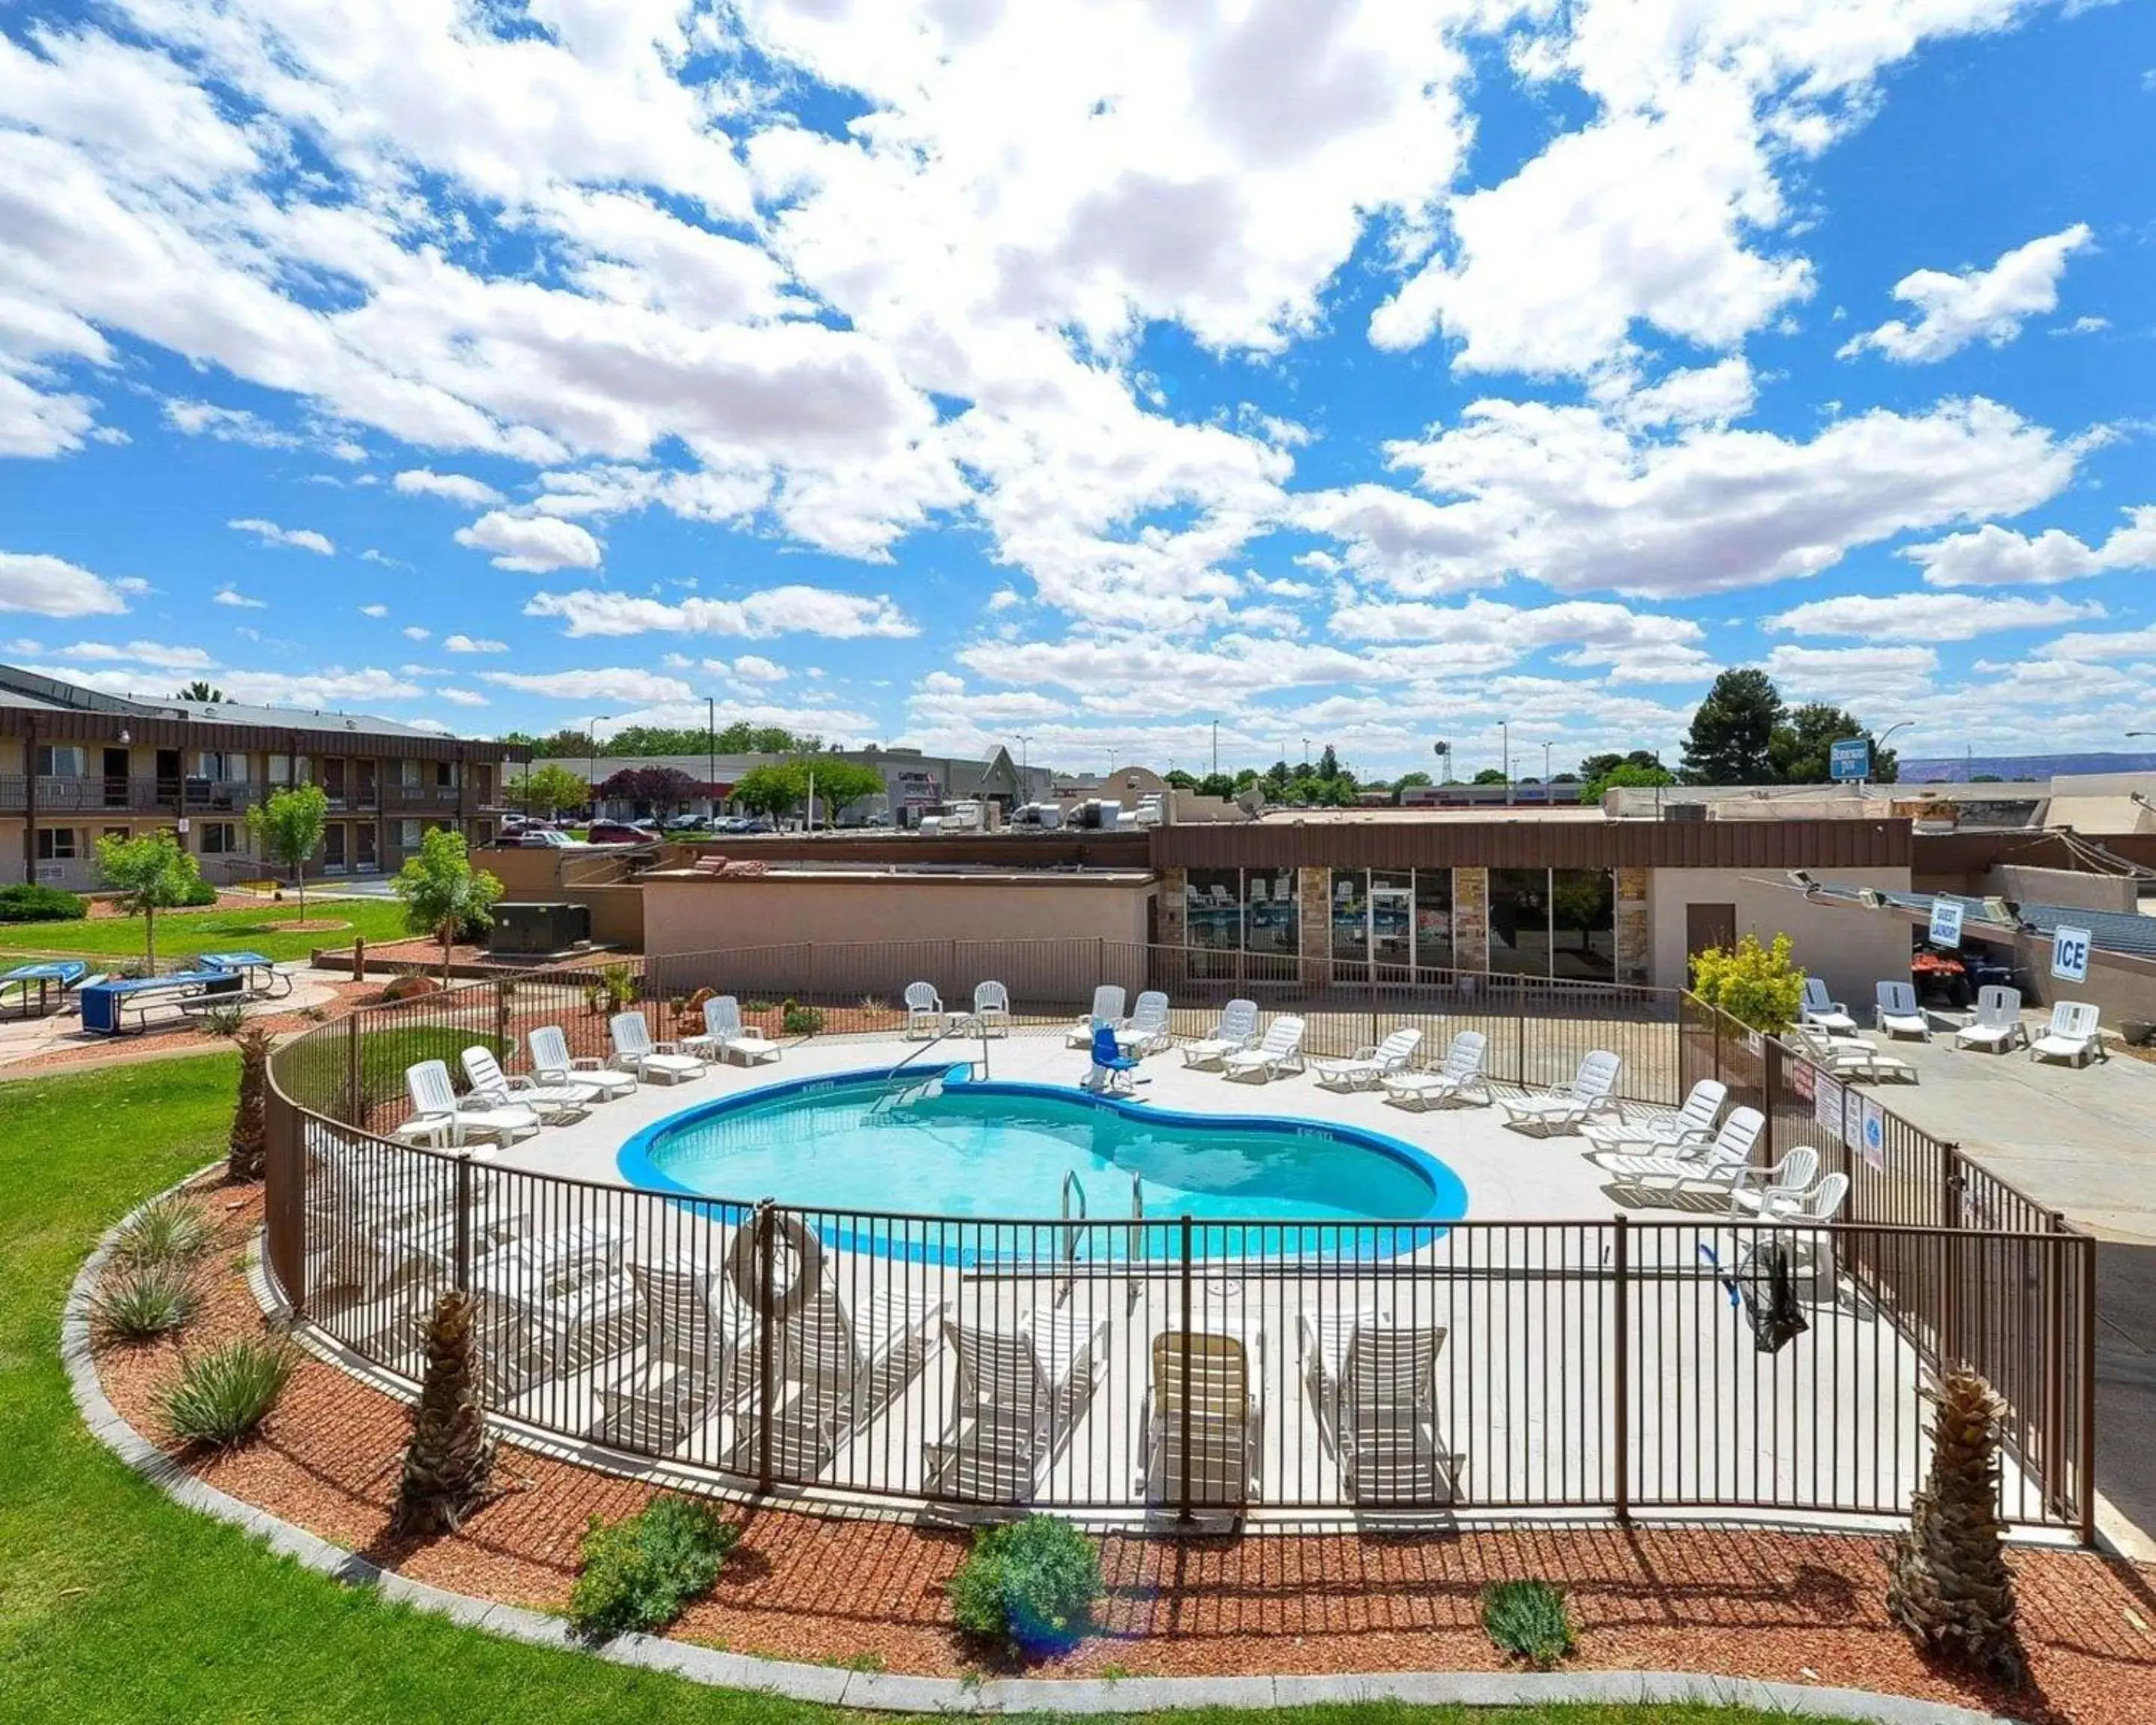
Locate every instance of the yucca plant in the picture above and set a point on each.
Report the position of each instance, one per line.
(450, 1456)
(137, 1301)
(171, 1230)
(1528, 1620)
(1948, 1584)
(247, 1149)
(223, 1395)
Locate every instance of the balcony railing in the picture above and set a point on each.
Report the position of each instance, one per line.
(99, 795)
(413, 798)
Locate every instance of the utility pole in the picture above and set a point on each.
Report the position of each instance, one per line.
(592, 756)
(1547, 747)
(710, 755)
(1216, 748)
(1504, 732)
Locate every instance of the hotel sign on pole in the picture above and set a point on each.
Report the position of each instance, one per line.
(1850, 759)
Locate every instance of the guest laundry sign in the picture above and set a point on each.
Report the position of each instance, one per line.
(1946, 922)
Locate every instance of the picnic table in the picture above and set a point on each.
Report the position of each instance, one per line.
(105, 1004)
(64, 972)
(263, 976)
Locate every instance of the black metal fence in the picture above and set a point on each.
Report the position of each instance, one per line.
(1169, 1366)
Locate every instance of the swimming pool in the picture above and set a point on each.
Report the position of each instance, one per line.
(961, 1151)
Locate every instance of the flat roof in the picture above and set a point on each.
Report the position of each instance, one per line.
(899, 874)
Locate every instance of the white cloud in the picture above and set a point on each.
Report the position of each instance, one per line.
(467, 643)
(1567, 497)
(226, 425)
(374, 610)
(2124, 643)
(2083, 326)
(1994, 556)
(151, 653)
(616, 683)
(532, 545)
(1926, 616)
(51, 587)
(413, 631)
(1843, 675)
(461, 697)
(231, 596)
(457, 487)
(294, 538)
(774, 611)
(333, 689)
(1975, 305)
(755, 668)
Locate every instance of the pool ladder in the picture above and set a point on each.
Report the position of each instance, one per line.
(1074, 1188)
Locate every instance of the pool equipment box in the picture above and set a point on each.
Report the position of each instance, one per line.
(537, 928)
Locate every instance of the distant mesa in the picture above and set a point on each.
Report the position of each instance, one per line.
(1960, 768)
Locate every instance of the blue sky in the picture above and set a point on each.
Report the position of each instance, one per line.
(952, 374)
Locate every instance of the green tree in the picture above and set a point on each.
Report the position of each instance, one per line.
(1182, 781)
(1491, 775)
(1756, 985)
(150, 873)
(839, 785)
(1594, 766)
(1328, 763)
(443, 894)
(1733, 730)
(1220, 784)
(1624, 776)
(199, 691)
(1803, 749)
(771, 789)
(546, 788)
(289, 827)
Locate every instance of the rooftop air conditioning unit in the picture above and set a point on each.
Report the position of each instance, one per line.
(1685, 813)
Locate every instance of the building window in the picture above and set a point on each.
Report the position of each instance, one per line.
(333, 839)
(1269, 913)
(289, 769)
(408, 833)
(221, 767)
(62, 760)
(1213, 914)
(1520, 922)
(1392, 924)
(1432, 919)
(1583, 916)
(407, 774)
(56, 845)
(1348, 897)
(220, 838)
(116, 833)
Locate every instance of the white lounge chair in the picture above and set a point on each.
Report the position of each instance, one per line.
(1208, 1449)
(1996, 1026)
(493, 1088)
(2073, 1035)
(1109, 1007)
(1896, 1012)
(991, 1014)
(1821, 1009)
(1146, 1032)
(635, 1049)
(1020, 1390)
(1566, 1106)
(699, 1349)
(1662, 1134)
(924, 1016)
(726, 1038)
(1849, 1056)
(1279, 1051)
(552, 1063)
(1237, 1029)
(1714, 1163)
(436, 1118)
(1369, 1066)
(1817, 1204)
(1757, 1191)
(1374, 1383)
(1454, 1079)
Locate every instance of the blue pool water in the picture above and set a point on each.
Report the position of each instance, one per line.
(865, 1143)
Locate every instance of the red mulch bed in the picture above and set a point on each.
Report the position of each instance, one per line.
(1789, 1607)
(181, 1037)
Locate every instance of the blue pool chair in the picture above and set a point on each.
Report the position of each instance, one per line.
(1112, 1067)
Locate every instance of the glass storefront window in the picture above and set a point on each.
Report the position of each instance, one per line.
(1520, 922)
(1392, 923)
(1583, 914)
(1213, 910)
(1350, 901)
(1269, 911)
(1432, 919)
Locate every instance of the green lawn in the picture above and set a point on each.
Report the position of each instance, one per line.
(116, 1605)
(183, 933)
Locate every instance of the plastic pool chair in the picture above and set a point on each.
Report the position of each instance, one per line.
(1850, 1057)
(925, 1016)
(1454, 1079)
(2073, 1035)
(1997, 1025)
(1757, 1191)
(1375, 1383)
(1896, 1012)
(1664, 1135)
(635, 1049)
(436, 1118)
(1111, 1069)
(1019, 1392)
(552, 1063)
(1108, 1004)
(726, 1038)
(1147, 1031)
(1369, 1066)
(1714, 1163)
(990, 1012)
(1280, 1051)
(1212, 1450)
(1565, 1106)
(493, 1088)
(1821, 1009)
(1237, 1029)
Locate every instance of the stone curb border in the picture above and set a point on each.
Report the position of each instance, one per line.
(884, 1691)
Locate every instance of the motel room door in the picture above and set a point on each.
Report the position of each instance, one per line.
(1709, 926)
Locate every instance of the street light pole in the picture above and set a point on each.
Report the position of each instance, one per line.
(1879, 748)
(1547, 747)
(1504, 732)
(591, 755)
(710, 755)
(1216, 748)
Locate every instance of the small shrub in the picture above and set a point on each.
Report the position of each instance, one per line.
(224, 1394)
(799, 1021)
(640, 1572)
(1031, 1583)
(25, 903)
(138, 1301)
(409, 987)
(618, 985)
(170, 1230)
(198, 891)
(875, 1004)
(1759, 987)
(225, 1018)
(1528, 1621)
(757, 1006)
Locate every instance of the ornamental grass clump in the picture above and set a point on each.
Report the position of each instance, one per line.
(1948, 1584)
(224, 1394)
(170, 1230)
(1528, 1620)
(1031, 1584)
(137, 1302)
(640, 1572)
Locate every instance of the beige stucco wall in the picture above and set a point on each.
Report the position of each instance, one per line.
(1853, 952)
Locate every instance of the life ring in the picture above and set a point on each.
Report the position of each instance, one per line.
(744, 1264)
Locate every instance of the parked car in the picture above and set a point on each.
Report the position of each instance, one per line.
(619, 832)
(537, 839)
(686, 823)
